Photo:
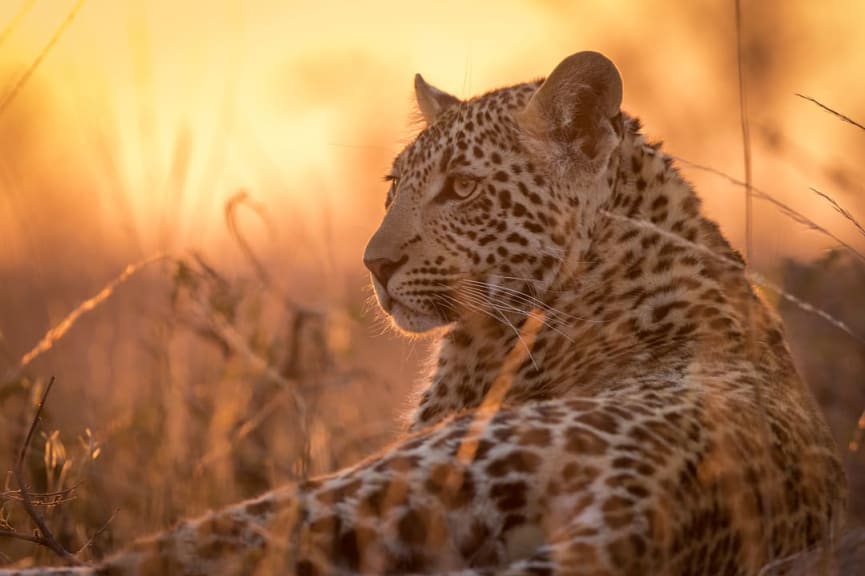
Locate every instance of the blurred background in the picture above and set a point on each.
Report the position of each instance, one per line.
(244, 144)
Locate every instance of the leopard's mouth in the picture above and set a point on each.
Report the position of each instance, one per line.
(412, 320)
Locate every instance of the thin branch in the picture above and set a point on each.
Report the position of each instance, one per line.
(98, 532)
(842, 117)
(27, 439)
(35, 539)
(15, 495)
(40, 500)
(10, 95)
(45, 535)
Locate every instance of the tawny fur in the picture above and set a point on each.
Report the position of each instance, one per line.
(606, 400)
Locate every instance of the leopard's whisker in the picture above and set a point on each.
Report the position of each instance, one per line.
(522, 296)
(549, 316)
(504, 319)
(466, 305)
(527, 299)
(553, 323)
(500, 317)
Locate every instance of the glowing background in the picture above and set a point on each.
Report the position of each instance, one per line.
(148, 115)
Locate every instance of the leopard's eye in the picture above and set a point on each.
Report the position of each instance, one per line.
(464, 186)
(391, 192)
(457, 187)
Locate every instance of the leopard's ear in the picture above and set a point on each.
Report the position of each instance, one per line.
(431, 101)
(570, 113)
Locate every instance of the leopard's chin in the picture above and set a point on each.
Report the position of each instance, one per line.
(410, 320)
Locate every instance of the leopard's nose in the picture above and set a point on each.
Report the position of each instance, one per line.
(383, 268)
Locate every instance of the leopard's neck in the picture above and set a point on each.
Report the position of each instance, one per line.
(655, 288)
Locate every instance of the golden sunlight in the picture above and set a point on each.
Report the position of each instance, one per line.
(187, 186)
(159, 111)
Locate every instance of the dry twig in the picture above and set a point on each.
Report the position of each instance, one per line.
(43, 498)
(98, 532)
(44, 536)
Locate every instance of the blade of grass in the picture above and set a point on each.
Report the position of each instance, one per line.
(746, 135)
(16, 20)
(845, 213)
(842, 117)
(16, 88)
(753, 276)
(797, 217)
(60, 330)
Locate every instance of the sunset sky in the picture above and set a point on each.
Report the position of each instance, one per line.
(147, 115)
(127, 136)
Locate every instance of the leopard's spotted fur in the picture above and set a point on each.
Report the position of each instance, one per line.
(610, 396)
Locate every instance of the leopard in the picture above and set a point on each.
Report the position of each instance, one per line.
(610, 395)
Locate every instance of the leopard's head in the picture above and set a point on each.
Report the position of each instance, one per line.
(489, 201)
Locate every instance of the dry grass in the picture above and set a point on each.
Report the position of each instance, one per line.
(782, 207)
(282, 376)
(284, 423)
(22, 80)
(839, 115)
(16, 19)
(837, 207)
(308, 387)
(59, 331)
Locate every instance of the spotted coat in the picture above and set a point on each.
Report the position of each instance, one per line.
(610, 397)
